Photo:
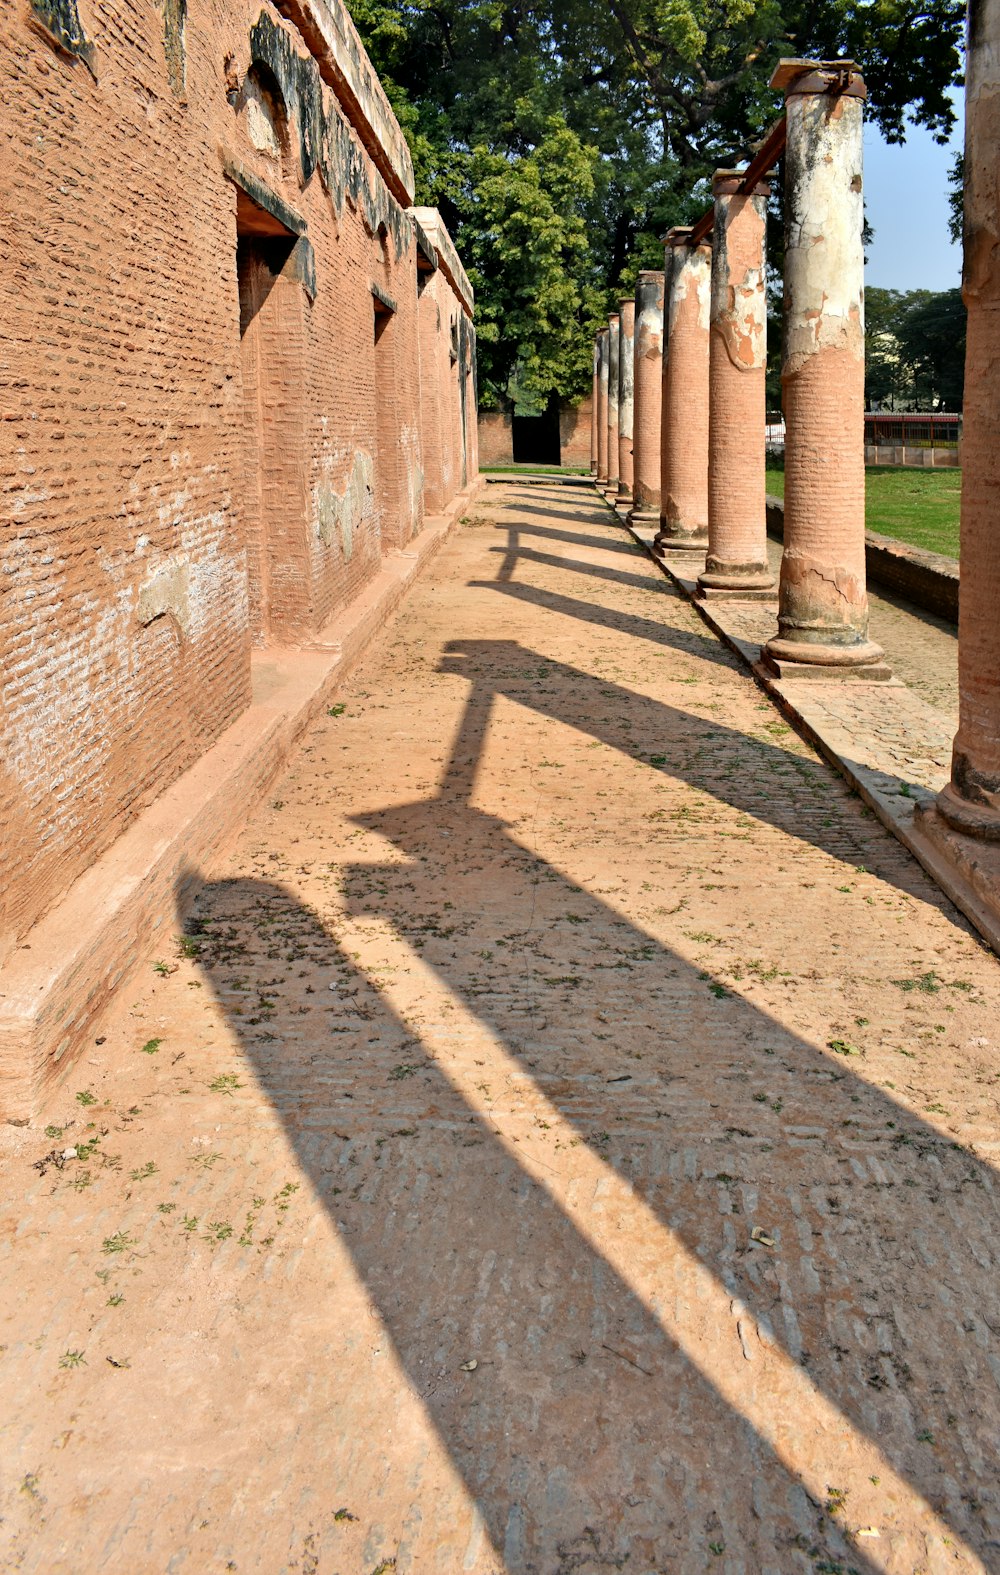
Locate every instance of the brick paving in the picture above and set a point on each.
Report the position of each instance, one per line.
(565, 1140)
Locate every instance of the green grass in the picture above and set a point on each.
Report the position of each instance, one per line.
(917, 506)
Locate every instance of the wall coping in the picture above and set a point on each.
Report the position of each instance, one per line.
(343, 62)
(431, 223)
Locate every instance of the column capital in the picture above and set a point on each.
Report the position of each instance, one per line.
(727, 183)
(837, 77)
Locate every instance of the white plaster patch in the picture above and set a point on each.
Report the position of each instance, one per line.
(340, 512)
(824, 258)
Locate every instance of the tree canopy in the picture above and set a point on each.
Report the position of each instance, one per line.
(560, 138)
(914, 349)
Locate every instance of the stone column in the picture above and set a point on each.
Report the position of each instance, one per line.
(822, 600)
(647, 399)
(602, 406)
(736, 564)
(611, 487)
(971, 801)
(593, 404)
(626, 387)
(684, 416)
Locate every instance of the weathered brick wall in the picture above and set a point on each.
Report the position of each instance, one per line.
(447, 365)
(574, 432)
(174, 490)
(495, 438)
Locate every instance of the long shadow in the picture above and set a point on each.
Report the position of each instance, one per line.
(597, 571)
(587, 1436)
(598, 512)
(605, 1390)
(704, 647)
(625, 547)
(732, 766)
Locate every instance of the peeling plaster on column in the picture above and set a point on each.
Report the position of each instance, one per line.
(626, 386)
(981, 272)
(824, 255)
(692, 273)
(739, 312)
(649, 331)
(341, 512)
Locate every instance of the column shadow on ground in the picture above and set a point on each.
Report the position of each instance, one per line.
(593, 1433)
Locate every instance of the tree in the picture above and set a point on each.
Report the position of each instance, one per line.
(931, 335)
(606, 120)
(914, 348)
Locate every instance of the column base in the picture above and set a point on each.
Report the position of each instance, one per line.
(966, 867)
(644, 518)
(784, 658)
(730, 582)
(623, 500)
(665, 543)
(736, 593)
(971, 820)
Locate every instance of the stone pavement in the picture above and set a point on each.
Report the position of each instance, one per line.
(562, 1139)
(891, 740)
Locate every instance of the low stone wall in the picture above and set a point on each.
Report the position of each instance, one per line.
(928, 458)
(927, 579)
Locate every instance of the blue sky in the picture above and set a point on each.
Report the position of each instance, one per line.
(906, 203)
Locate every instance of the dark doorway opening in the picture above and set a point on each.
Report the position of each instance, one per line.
(535, 439)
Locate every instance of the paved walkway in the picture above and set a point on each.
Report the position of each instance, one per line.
(565, 1141)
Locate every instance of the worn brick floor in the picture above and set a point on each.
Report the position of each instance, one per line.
(565, 1142)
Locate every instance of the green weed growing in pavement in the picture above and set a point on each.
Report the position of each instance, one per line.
(72, 1359)
(145, 1171)
(151, 1046)
(842, 1047)
(85, 1097)
(116, 1300)
(121, 1241)
(54, 1132)
(162, 968)
(225, 1083)
(926, 983)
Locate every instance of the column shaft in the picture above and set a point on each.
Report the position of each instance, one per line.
(736, 563)
(971, 802)
(684, 415)
(823, 601)
(602, 405)
(593, 404)
(647, 397)
(626, 387)
(613, 343)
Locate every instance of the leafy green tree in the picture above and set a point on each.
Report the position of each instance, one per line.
(606, 121)
(914, 348)
(931, 334)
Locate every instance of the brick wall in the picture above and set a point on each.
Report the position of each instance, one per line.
(199, 453)
(574, 432)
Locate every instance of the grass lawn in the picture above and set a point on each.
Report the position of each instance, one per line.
(918, 506)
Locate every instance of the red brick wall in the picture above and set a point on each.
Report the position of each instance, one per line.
(162, 514)
(495, 438)
(574, 432)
